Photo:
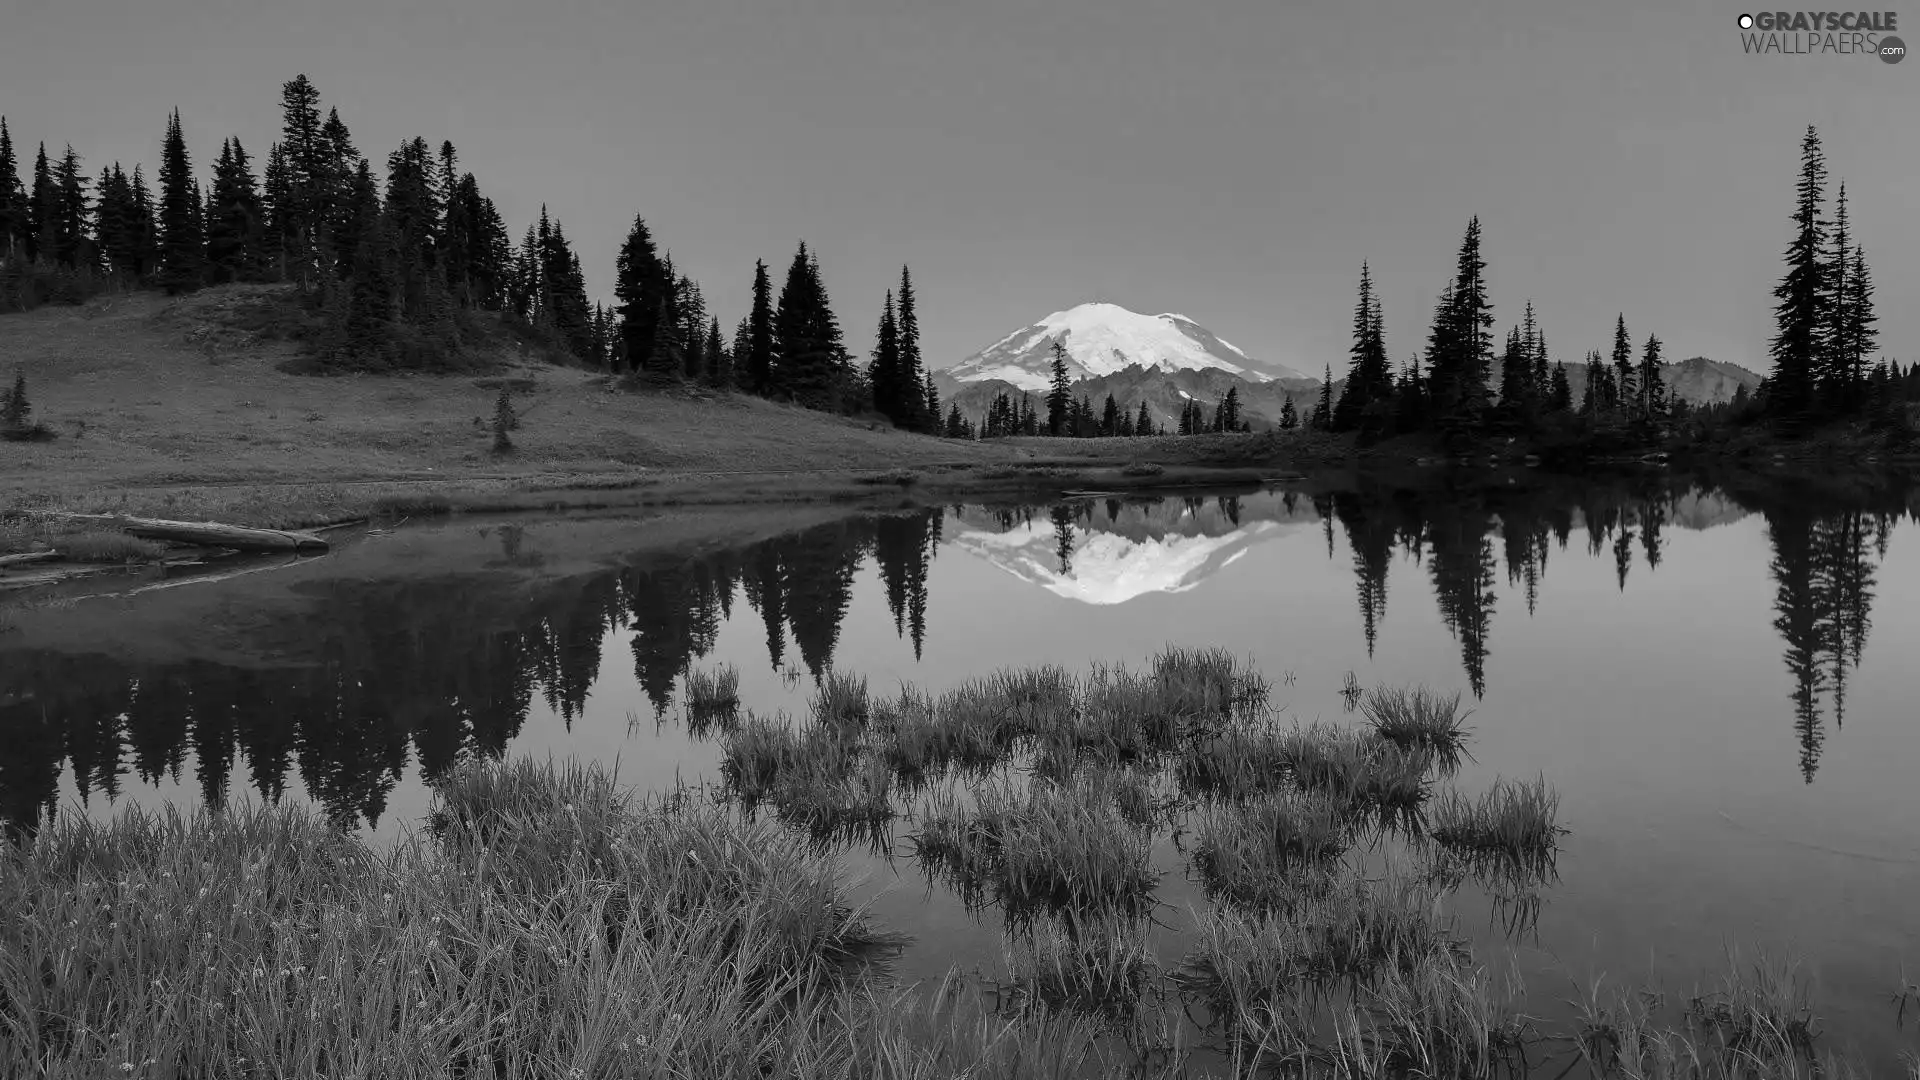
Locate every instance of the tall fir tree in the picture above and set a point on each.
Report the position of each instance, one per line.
(808, 353)
(1833, 374)
(759, 354)
(181, 246)
(1653, 387)
(1323, 408)
(236, 231)
(1626, 383)
(370, 297)
(912, 367)
(1059, 392)
(13, 197)
(297, 195)
(641, 287)
(72, 247)
(883, 374)
(1460, 349)
(1370, 373)
(719, 365)
(1803, 296)
(1858, 334)
(1560, 392)
(43, 204)
(1143, 424)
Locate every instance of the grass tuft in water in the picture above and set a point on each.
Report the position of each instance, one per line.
(1102, 967)
(713, 699)
(841, 703)
(1046, 848)
(1419, 719)
(1512, 823)
(1260, 854)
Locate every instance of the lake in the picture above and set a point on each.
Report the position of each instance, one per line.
(1719, 681)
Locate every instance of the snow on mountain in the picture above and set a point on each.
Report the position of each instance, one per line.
(1102, 339)
(1108, 568)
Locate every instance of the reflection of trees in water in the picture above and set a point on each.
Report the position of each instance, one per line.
(425, 672)
(1822, 568)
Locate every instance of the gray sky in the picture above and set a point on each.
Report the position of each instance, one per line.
(1233, 160)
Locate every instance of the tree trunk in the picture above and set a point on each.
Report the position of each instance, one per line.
(213, 534)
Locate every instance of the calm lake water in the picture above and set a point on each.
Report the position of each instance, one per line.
(1721, 686)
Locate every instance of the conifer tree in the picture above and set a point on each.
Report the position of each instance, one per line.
(1858, 336)
(1323, 409)
(1289, 416)
(13, 197)
(1143, 424)
(1626, 384)
(1653, 389)
(807, 350)
(691, 306)
(1516, 367)
(640, 286)
(370, 297)
(911, 367)
(1230, 410)
(1059, 395)
(236, 230)
(742, 346)
(1369, 375)
(306, 162)
(181, 248)
(43, 202)
(1110, 417)
(1801, 315)
(932, 394)
(884, 373)
(759, 355)
(71, 246)
(1832, 371)
(16, 412)
(1460, 346)
(1560, 394)
(719, 365)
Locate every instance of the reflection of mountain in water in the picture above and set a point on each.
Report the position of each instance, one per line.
(393, 675)
(1081, 553)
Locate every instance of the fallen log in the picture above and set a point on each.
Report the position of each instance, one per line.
(31, 556)
(212, 534)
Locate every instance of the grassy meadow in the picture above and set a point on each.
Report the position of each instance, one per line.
(545, 921)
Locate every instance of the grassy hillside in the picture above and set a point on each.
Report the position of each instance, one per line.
(143, 390)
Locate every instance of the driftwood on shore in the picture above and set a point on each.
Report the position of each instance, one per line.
(211, 534)
(31, 556)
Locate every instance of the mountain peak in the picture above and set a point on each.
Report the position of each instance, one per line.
(1103, 338)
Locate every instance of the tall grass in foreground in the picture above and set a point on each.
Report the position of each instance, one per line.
(256, 943)
(1514, 823)
(713, 699)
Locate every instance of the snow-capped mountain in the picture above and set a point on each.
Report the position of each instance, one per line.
(1102, 339)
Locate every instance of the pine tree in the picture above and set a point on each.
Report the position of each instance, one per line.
(1289, 416)
(742, 346)
(1460, 346)
(1653, 390)
(1801, 315)
(370, 298)
(148, 225)
(1230, 419)
(884, 374)
(306, 162)
(16, 412)
(1059, 395)
(911, 368)
(1626, 386)
(640, 286)
(1369, 375)
(1143, 424)
(719, 365)
(1323, 409)
(1832, 373)
(72, 248)
(1516, 367)
(1560, 396)
(932, 394)
(1542, 365)
(807, 348)
(181, 248)
(43, 201)
(691, 306)
(13, 198)
(1110, 417)
(759, 355)
(1858, 337)
(236, 231)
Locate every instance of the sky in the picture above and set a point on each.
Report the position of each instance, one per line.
(1232, 160)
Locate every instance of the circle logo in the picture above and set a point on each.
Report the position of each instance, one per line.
(1746, 22)
(1892, 50)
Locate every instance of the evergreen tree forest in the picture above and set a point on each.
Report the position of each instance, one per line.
(408, 265)
(1825, 371)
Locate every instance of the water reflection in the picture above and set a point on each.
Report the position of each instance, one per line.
(406, 674)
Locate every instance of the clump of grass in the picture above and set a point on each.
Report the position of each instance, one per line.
(1236, 763)
(920, 738)
(1255, 854)
(841, 703)
(1036, 698)
(108, 547)
(1047, 848)
(1124, 716)
(902, 477)
(1438, 1017)
(834, 799)
(1208, 681)
(713, 698)
(754, 754)
(1419, 719)
(1368, 777)
(1512, 822)
(1141, 469)
(1100, 966)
